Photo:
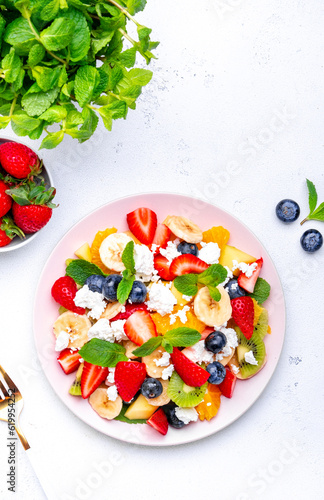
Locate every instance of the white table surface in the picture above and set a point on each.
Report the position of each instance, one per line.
(227, 71)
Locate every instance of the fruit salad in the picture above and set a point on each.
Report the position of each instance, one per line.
(160, 321)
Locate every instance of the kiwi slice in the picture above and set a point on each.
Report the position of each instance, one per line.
(184, 395)
(75, 389)
(254, 344)
(261, 327)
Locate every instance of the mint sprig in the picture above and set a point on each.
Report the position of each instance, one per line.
(261, 291)
(216, 274)
(314, 213)
(102, 353)
(178, 337)
(125, 286)
(80, 270)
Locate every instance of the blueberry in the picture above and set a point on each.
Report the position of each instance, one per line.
(173, 420)
(138, 293)
(287, 210)
(234, 290)
(215, 342)
(110, 286)
(95, 282)
(217, 373)
(185, 247)
(311, 240)
(151, 388)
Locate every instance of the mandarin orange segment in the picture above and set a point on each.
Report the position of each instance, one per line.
(163, 324)
(218, 235)
(209, 406)
(269, 330)
(98, 239)
(257, 312)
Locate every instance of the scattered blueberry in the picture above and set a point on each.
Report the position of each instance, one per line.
(173, 420)
(138, 293)
(151, 388)
(110, 286)
(234, 290)
(215, 342)
(311, 240)
(217, 373)
(185, 247)
(287, 210)
(95, 282)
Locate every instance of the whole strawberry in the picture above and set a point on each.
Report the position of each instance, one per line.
(8, 231)
(243, 314)
(19, 160)
(5, 199)
(64, 291)
(32, 207)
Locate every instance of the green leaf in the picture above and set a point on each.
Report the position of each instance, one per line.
(99, 43)
(50, 10)
(117, 109)
(187, 284)
(54, 114)
(143, 32)
(128, 256)
(4, 121)
(167, 346)
(139, 76)
(90, 122)
(36, 54)
(11, 64)
(182, 337)
(22, 124)
(214, 275)
(121, 417)
(74, 118)
(128, 57)
(80, 44)
(80, 270)
(214, 293)
(135, 6)
(85, 82)
(46, 78)
(52, 140)
(19, 34)
(318, 214)
(36, 103)
(312, 196)
(58, 35)
(148, 347)
(102, 353)
(261, 291)
(124, 289)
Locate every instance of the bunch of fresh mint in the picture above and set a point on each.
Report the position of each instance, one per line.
(63, 62)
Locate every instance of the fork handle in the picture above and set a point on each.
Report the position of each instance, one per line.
(41, 473)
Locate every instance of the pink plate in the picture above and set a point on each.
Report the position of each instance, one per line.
(114, 214)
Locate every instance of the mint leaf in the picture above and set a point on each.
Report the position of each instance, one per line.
(80, 270)
(135, 6)
(139, 76)
(11, 64)
(261, 291)
(214, 275)
(80, 44)
(46, 78)
(182, 337)
(52, 140)
(124, 289)
(167, 346)
(318, 214)
(121, 417)
(312, 196)
(102, 353)
(22, 124)
(50, 10)
(58, 35)
(214, 293)
(148, 347)
(36, 103)
(128, 256)
(186, 284)
(84, 85)
(54, 114)
(36, 55)
(19, 34)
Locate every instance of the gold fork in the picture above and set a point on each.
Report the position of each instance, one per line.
(11, 402)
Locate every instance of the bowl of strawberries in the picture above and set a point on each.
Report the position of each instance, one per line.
(26, 195)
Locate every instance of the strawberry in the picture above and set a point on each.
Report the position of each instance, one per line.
(191, 374)
(129, 310)
(143, 222)
(5, 199)
(129, 376)
(92, 376)
(161, 237)
(187, 263)
(19, 160)
(162, 265)
(69, 360)
(227, 386)
(64, 291)
(31, 218)
(249, 283)
(243, 314)
(159, 422)
(8, 231)
(140, 327)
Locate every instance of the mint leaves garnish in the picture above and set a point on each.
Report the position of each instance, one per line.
(314, 213)
(80, 270)
(102, 353)
(178, 337)
(125, 286)
(261, 291)
(211, 277)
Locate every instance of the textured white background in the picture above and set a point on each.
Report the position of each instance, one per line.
(226, 70)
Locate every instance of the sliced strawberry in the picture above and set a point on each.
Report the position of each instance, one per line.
(140, 327)
(142, 222)
(129, 310)
(206, 332)
(228, 384)
(162, 265)
(187, 263)
(249, 283)
(159, 422)
(191, 374)
(69, 360)
(129, 376)
(92, 376)
(161, 237)
(243, 314)
(63, 291)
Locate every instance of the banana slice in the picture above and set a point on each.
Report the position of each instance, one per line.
(111, 250)
(151, 369)
(130, 347)
(103, 406)
(184, 228)
(112, 309)
(228, 358)
(163, 399)
(209, 311)
(75, 325)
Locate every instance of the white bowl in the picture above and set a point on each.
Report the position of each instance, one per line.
(17, 242)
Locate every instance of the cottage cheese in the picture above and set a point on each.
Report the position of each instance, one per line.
(231, 342)
(249, 358)
(181, 314)
(91, 300)
(170, 252)
(187, 297)
(209, 253)
(164, 360)
(101, 330)
(112, 393)
(167, 372)
(247, 269)
(111, 376)
(161, 299)
(235, 369)
(117, 329)
(200, 354)
(186, 415)
(62, 341)
(144, 264)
